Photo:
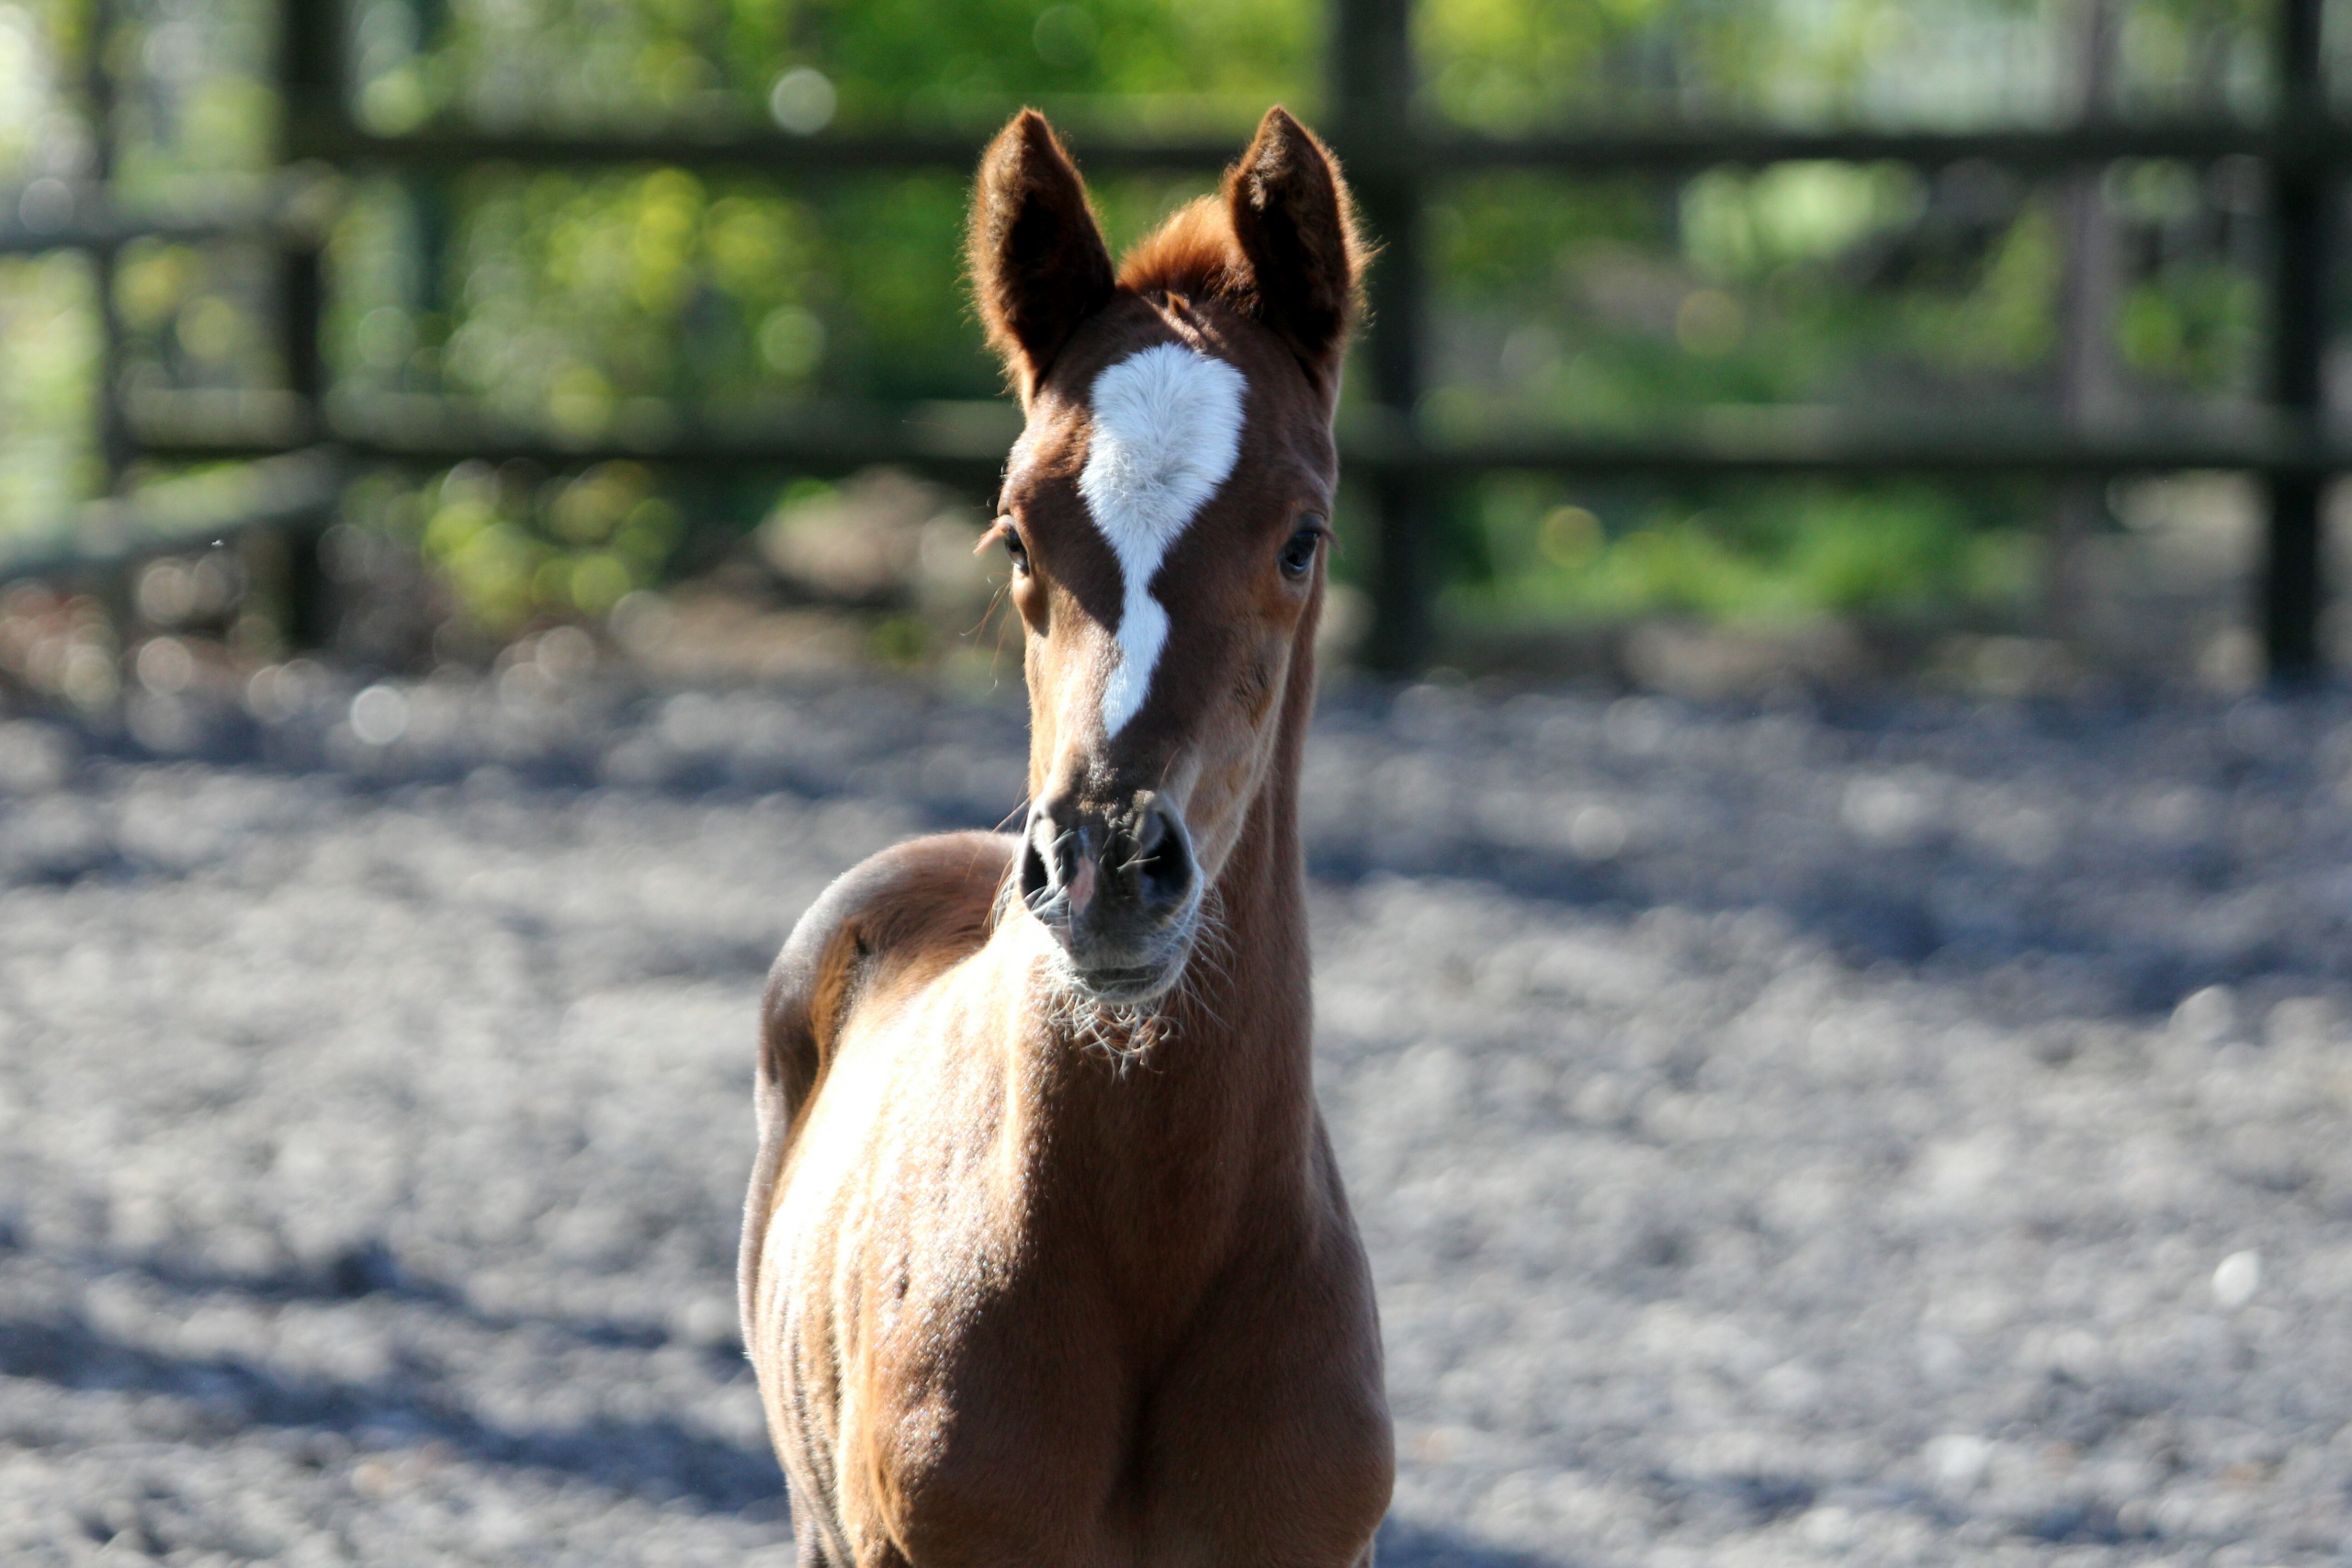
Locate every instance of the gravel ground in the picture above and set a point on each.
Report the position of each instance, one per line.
(1894, 1133)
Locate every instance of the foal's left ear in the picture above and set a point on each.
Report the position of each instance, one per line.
(1297, 227)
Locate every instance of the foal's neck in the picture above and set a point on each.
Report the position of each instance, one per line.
(1232, 1038)
(1162, 1135)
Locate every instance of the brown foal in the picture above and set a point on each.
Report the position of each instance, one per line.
(1046, 1258)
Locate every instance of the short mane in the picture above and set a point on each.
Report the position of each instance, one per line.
(1194, 253)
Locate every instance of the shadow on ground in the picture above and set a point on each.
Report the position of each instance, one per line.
(660, 1459)
(1405, 1544)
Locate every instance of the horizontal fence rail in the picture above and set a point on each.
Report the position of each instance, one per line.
(317, 134)
(268, 495)
(1403, 458)
(58, 215)
(971, 439)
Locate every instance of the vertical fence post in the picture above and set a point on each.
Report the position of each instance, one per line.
(2088, 289)
(309, 77)
(114, 443)
(2303, 193)
(1372, 101)
(307, 84)
(302, 283)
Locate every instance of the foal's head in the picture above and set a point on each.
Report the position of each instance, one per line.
(1167, 512)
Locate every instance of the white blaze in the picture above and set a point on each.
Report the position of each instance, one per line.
(1166, 429)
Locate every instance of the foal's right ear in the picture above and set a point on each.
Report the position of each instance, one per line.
(1038, 262)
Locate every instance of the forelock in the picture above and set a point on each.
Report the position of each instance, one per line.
(1193, 253)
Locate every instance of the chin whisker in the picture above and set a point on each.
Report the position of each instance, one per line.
(1124, 1033)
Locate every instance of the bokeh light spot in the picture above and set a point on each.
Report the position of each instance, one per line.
(803, 101)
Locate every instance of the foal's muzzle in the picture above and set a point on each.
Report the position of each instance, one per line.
(1118, 890)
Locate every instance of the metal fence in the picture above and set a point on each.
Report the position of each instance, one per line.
(304, 441)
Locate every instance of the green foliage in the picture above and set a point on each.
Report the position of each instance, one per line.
(195, 316)
(199, 102)
(1510, 65)
(569, 294)
(48, 454)
(568, 301)
(1758, 551)
(37, 43)
(584, 304)
(880, 64)
(1507, 65)
(2009, 320)
(2199, 328)
(515, 547)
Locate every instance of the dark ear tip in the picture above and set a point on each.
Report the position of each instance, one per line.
(1038, 137)
(1026, 136)
(1284, 150)
(1280, 122)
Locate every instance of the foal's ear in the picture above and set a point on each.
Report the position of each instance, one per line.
(1038, 262)
(1296, 226)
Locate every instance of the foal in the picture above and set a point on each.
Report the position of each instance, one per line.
(1046, 1260)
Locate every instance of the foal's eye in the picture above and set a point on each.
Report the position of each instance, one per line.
(1017, 551)
(1298, 554)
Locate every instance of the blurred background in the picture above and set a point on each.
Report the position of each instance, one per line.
(1828, 829)
(1987, 342)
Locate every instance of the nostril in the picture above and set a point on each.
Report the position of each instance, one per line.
(1036, 876)
(1149, 833)
(1164, 861)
